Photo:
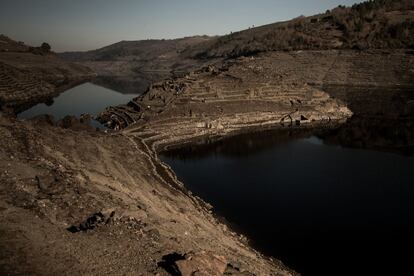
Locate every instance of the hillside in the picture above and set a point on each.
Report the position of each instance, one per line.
(369, 25)
(141, 50)
(9, 45)
(29, 75)
(131, 66)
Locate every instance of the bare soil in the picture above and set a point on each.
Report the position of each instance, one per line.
(86, 202)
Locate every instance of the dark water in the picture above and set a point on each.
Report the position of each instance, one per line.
(85, 98)
(324, 202)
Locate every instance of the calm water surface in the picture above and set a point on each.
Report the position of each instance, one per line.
(85, 98)
(323, 209)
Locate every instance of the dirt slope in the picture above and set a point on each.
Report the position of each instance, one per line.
(84, 202)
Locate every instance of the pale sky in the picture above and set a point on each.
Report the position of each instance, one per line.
(69, 25)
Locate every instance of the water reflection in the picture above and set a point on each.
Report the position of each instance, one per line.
(376, 133)
(124, 85)
(85, 98)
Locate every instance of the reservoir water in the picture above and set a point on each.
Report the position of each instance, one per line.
(85, 98)
(325, 203)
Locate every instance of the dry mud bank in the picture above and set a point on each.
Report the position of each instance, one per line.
(81, 201)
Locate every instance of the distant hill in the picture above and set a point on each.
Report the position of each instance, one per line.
(372, 24)
(140, 49)
(7, 44)
(131, 66)
(378, 24)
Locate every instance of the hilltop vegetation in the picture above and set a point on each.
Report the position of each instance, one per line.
(372, 24)
(9, 45)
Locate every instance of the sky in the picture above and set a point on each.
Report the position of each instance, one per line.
(79, 25)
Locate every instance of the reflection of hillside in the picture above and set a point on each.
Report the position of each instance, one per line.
(377, 133)
(384, 119)
(240, 145)
(123, 85)
(383, 102)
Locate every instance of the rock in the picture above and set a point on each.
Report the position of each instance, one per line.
(71, 122)
(44, 119)
(51, 183)
(168, 263)
(202, 263)
(231, 269)
(85, 119)
(92, 222)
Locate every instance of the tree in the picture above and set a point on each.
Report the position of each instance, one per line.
(45, 47)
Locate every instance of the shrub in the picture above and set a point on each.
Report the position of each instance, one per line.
(45, 47)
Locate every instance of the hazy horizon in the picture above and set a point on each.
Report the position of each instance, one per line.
(87, 25)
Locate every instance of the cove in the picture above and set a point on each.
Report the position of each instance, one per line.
(323, 202)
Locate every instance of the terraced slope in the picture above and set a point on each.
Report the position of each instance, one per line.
(272, 89)
(30, 76)
(18, 88)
